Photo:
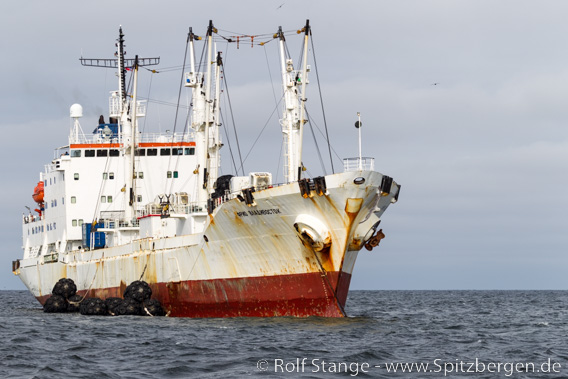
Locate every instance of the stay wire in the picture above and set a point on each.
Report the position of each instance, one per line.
(221, 111)
(277, 110)
(271, 81)
(321, 101)
(180, 84)
(279, 160)
(316, 143)
(177, 113)
(229, 142)
(323, 135)
(234, 125)
(264, 127)
(149, 88)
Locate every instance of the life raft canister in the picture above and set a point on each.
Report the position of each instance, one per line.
(38, 193)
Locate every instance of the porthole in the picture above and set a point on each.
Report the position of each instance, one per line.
(359, 180)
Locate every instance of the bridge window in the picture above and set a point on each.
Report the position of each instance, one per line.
(114, 153)
(89, 153)
(75, 153)
(190, 151)
(165, 151)
(102, 153)
(76, 176)
(73, 199)
(152, 152)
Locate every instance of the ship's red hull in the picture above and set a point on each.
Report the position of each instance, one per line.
(299, 295)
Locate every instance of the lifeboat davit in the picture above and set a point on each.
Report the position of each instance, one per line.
(38, 193)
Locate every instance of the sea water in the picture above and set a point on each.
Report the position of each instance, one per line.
(388, 334)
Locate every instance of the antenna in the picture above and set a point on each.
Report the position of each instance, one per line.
(76, 112)
(120, 63)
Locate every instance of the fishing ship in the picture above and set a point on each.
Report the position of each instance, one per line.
(120, 205)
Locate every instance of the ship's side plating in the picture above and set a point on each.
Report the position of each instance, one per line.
(251, 261)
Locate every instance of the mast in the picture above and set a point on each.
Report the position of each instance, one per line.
(287, 121)
(120, 63)
(293, 115)
(208, 102)
(134, 143)
(121, 70)
(215, 160)
(126, 113)
(128, 118)
(303, 99)
(201, 115)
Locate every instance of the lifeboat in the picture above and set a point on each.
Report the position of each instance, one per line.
(38, 193)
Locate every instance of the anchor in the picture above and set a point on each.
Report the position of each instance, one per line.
(375, 240)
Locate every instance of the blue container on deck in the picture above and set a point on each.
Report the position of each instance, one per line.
(98, 237)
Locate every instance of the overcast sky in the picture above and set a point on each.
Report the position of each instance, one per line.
(482, 156)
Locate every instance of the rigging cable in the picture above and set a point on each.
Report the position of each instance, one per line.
(316, 142)
(162, 102)
(319, 130)
(176, 118)
(321, 100)
(180, 83)
(145, 118)
(234, 125)
(271, 81)
(221, 113)
(279, 160)
(229, 143)
(278, 112)
(264, 127)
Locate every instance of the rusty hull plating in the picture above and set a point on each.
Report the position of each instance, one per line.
(250, 261)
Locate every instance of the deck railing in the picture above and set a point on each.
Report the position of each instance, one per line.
(359, 164)
(141, 138)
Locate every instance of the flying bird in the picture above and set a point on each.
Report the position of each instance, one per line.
(434, 84)
(280, 6)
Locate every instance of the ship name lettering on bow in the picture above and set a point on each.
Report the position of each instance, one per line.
(259, 212)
